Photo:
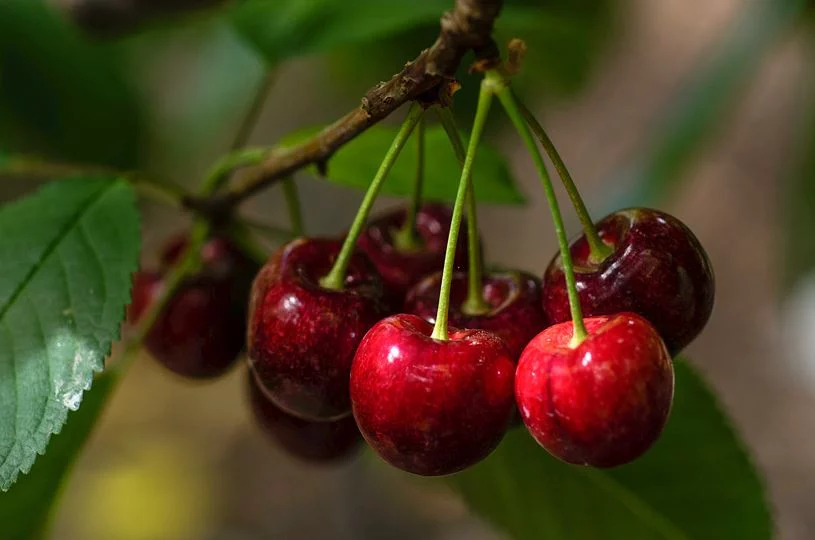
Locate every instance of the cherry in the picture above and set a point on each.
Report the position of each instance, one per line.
(514, 314)
(658, 269)
(428, 406)
(201, 331)
(317, 442)
(401, 268)
(603, 402)
(302, 336)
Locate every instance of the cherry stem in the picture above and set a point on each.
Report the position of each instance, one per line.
(500, 86)
(406, 238)
(293, 206)
(184, 267)
(335, 279)
(598, 250)
(483, 109)
(475, 304)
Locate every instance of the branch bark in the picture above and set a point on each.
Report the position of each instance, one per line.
(468, 27)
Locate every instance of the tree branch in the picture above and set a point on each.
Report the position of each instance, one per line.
(467, 27)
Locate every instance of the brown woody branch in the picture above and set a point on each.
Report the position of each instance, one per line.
(467, 27)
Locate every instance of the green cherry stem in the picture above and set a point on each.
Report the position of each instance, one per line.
(406, 238)
(484, 101)
(293, 206)
(474, 304)
(598, 250)
(335, 279)
(510, 103)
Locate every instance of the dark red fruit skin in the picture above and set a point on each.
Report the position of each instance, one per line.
(314, 442)
(602, 403)
(302, 336)
(201, 331)
(431, 407)
(146, 286)
(515, 313)
(658, 269)
(402, 269)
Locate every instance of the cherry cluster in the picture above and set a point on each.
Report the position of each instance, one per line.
(394, 332)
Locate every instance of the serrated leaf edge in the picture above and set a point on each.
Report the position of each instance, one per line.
(40, 438)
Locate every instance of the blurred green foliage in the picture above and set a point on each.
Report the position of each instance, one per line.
(61, 96)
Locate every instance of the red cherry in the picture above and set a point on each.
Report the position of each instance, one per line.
(602, 403)
(202, 329)
(319, 442)
(514, 314)
(431, 407)
(658, 269)
(402, 269)
(302, 336)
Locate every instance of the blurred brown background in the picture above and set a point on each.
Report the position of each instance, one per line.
(175, 461)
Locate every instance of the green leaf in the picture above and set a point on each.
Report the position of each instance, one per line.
(62, 97)
(696, 483)
(26, 510)
(281, 29)
(356, 164)
(66, 258)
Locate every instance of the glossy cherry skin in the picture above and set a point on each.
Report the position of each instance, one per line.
(315, 442)
(602, 403)
(515, 313)
(658, 269)
(431, 407)
(201, 331)
(302, 336)
(402, 269)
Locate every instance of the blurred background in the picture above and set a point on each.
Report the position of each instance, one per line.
(704, 108)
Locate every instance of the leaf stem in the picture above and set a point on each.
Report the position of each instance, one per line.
(475, 303)
(335, 279)
(293, 206)
(406, 238)
(501, 88)
(598, 250)
(482, 111)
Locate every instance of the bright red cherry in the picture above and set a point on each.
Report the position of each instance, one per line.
(431, 407)
(658, 269)
(401, 268)
(514, 313)
(602, 403)
(303, 336)
(202, 329)
(317, 442)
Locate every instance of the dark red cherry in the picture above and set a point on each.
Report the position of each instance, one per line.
(319, 442)
(202, 329)
(658, 269)
(303, 336)
(400, 269)
(602, 403)
(514, 314)
(431, 407)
